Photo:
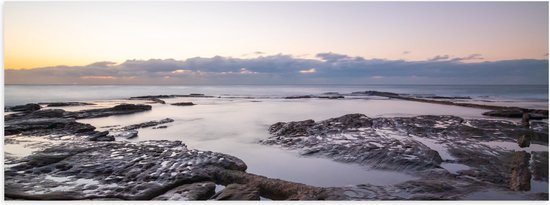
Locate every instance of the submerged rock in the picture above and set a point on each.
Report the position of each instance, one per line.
(183, 104)
(63, 104)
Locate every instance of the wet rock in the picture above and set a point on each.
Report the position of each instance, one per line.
(118, 170)
(238, 192)
(195, 95)
(351, 138)
(521, 175)
(183, 104)
(524, 140)
(187, 192)
(101, 136)
(147, 124)
(525, 120)
(275, 189)
(64, 104)
(129, 134)
(23, 108)
(416, 145)
(540, 166)
(44, 126)
(511, 113)
(121, 109)
(298, 97)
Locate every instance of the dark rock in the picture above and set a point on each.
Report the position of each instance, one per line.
(183, 104)
(238, 192)
(101, 136)
(118, 170)
(512, 113)
(23, 108)
(525, 120)
(498, 111)
(129, 134)
(195, 191)
(416, 145)
(160, 127)
(195, 95)
(540, 166)
(524, 140)
(298, 97)
(121, 109)
(147, 124)
(521, 176)
(44, 126)
(330, 96)
(63, 104)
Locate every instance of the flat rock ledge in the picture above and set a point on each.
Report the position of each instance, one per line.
(425, 146)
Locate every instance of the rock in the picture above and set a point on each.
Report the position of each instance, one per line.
(147, 124)
(524, 140)
(512, 113)
(186, 192)
(130, 134)
(238, 192)
(101, 136)
(121, 109)
(195, 95)
(525, 120)
(416, 145)
(158, 100)
(351, 138)
(540, 166)
(63, 104)
(23, 108)
(45, 126)
(331, 96)
(298, 97)
(116, 170)
(521, 175)
(160, 127)
(183, 104)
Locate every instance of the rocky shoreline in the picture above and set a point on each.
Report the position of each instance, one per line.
(74, 161)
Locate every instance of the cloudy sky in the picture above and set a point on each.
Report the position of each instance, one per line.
(275, 42)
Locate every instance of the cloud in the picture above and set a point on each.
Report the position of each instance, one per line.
(273, 69)
(470, 57)
(98, 77)
(406, 52)
(181, 71)
(308, 71)
(439, 57)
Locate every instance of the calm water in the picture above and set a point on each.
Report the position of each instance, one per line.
(19, 94)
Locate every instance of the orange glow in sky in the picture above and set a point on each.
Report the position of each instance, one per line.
(40, 34)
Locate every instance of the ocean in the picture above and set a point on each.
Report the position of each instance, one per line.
(21, 94)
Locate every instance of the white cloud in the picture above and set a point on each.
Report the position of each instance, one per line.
(308, 71)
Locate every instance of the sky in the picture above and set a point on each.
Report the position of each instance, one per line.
(275, 42)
